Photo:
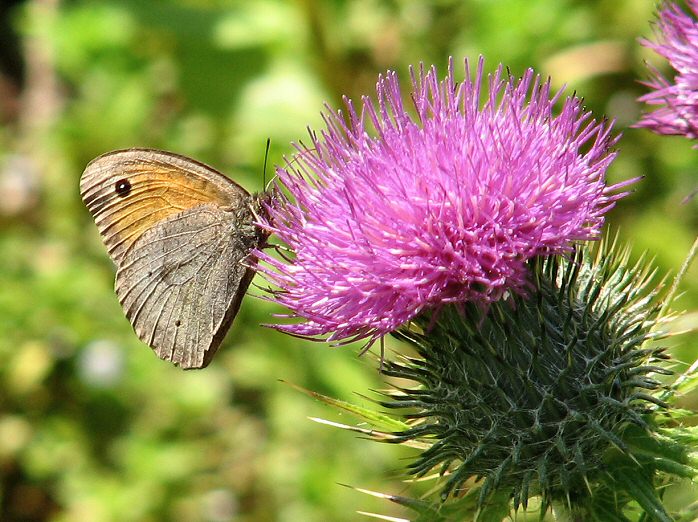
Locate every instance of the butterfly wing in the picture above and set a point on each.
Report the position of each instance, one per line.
(180, 234)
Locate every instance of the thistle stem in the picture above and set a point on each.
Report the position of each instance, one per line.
(665, 307)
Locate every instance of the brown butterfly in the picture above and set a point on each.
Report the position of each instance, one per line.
(181, 235)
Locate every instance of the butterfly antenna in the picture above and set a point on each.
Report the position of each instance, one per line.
(266, 156)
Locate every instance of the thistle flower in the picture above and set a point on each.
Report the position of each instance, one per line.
(394, 211)
(677, 36)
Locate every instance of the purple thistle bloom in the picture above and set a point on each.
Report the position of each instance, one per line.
(678, 43)
(394, 211)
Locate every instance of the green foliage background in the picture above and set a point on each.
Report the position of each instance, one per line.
(92, 425)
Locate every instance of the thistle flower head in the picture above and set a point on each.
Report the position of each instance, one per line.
(395, 210)
(677, 41)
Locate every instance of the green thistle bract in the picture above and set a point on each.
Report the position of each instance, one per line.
(537, 394)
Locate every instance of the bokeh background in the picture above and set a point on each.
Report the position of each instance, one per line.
(92, 425)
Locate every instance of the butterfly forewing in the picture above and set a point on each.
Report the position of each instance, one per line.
(154, 186)
(181, 235)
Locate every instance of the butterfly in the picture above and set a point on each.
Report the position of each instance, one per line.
(181, 235)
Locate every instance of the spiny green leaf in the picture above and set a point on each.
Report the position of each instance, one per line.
(674, 468)
(657, 444)
(642, 491)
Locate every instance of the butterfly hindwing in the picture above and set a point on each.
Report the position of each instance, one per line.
(183, 283)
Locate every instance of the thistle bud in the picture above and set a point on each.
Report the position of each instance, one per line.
(545, 394)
